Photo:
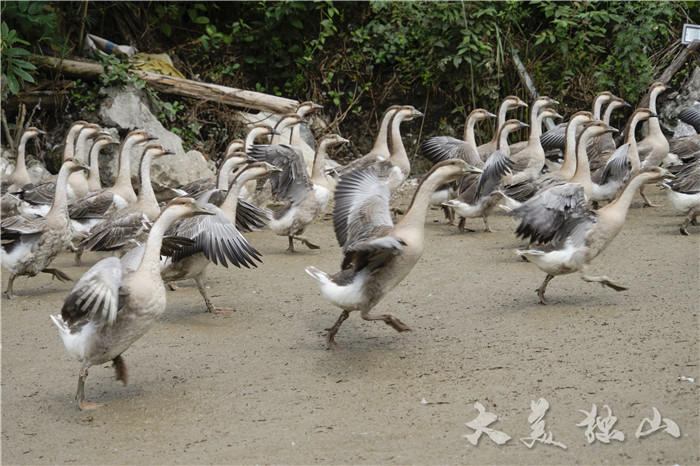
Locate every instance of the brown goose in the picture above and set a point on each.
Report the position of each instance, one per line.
(377, 254)
(509, 103)
(19, 176)
(122, 226)
(117, 301)
(31, 242)
(305, 197)
(654, 148)
(216, 239)
(574, 234)
(380, 150)
(93, 179)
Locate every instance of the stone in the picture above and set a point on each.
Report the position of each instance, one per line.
(126, 110)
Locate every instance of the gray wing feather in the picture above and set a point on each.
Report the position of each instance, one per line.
(96, 295)
(440, 148)
(292, 183)
(618, 167)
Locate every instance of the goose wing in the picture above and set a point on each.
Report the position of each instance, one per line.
(113, 234)
(22, 225)
(687, 180)
(440, 148)
(249, 217)
(216, 237)
(554, 138)
(618, 167)
(93, 205)
(542, 216)
(361, 209)
(37, 193)
(96, 297)
(292, 183)
(495, 168)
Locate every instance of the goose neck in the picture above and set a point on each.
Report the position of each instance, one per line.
(146, 194)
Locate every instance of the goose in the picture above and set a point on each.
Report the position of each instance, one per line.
(394, 170)
(684, 193)
(93, 179)
(528, 162)
(19, 176)
(231, 162)
(216, 238)
(517, 193)
(305, 196)
(509, 103)
(37, 198)
(691, 116)
(380, 150)
(477, 193)
(117, 301)
(576, 234)
(537, 107)
(259, 130)
(119, 228)
(555, 138)
(91, 209)
(378, 255)
(685, 147)
(654, 148)
(31, 242)
(304, 108)
(440, 148)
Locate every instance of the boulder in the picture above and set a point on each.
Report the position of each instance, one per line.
(126, 110)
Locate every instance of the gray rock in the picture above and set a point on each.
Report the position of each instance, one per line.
(125, 110)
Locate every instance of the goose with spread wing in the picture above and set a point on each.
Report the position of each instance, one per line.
(377, 254)
(117, 301)
(572, 234)
(215, 239)
(305, 196)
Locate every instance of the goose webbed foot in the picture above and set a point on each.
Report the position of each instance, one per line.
(83, 404)
(605, 281)
(309, 244)
(389, 319)
(330, 336)
(690, 219)
(173, 286)
(57, 274)
(540, 291)
(207, 301)
(120, 369)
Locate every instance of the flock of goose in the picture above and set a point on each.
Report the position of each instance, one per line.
(552, 183)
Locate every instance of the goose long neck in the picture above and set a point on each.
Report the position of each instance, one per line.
(381, 144)
(146, 194)
(69, 145)
(398, 151)
(632, 152)
(224, 174)
(569, 164)
(616, 211)
(469, 134)
(654, 124)
(94, 173)
(59, 206)
(150, 263)
(608, 113)
(503, 141)
(20, 170)
(583, 170)
(598, 106)
(230, 204)
(414, 218)
(250, 138)
(319, 161)
(123, 181)
(502, 112)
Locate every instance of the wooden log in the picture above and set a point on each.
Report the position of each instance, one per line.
(172, 85)
(673, 67)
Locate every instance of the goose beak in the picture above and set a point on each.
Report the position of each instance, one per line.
(304, 120)
(610, 129)
(342, 140)
(274, 131)
(82, 165)
(418, 113)
(553, 102)
(490, 115)
(468, 169)
(40, 132)
(150, 137)
(627, 104)
(272, 168)
(556, 115)
(523, 104)
(315, 105)
(199, 209)
(168, 152)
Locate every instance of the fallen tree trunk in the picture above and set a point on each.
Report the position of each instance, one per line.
(172, 85)
(674, 66)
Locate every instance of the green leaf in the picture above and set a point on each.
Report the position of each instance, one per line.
(23, 74)
(16, 52)
(12, 83)
(201, 20)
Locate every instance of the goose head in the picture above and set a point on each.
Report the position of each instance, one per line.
(307, 107)
(512, 102)
(480, 114)
(550, 113)
(234, 146)
(261, 129)
(72, 165)
(156, 150)
(597, 128)
(139, 136)
(451, 170)
(185, 207)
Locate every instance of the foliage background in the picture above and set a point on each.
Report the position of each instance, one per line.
(357, 58)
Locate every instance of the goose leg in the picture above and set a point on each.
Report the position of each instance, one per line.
(291, 244)
(330, 336)
(486, 222)
(83, 404)
(543, 287)
(307, 243)
(690, 218)
(120, 369)
(449, 214)
(647, 202)
(461, 228)
(57, 274)
(207, 302)
(389, 319)
(10, 281)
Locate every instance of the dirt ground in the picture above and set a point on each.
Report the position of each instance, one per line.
(258, 385)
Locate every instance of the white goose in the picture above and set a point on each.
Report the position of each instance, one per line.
(117, 301)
